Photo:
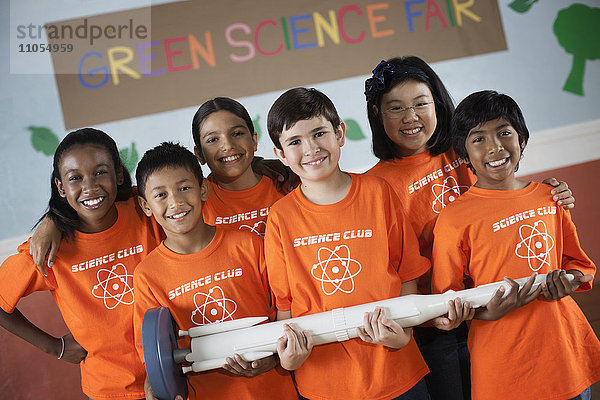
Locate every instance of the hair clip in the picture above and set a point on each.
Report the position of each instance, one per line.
(376, 83)
(384, 71)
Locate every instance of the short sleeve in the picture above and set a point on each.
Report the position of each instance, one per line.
(276, 265)
(262, 270)
(144, 300)
(403, 242)
(20, 277)
(449, 258)
(573, 256)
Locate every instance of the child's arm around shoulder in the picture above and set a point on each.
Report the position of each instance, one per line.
(44, 244)
(282, 175)
(561, 193)
(45, 241)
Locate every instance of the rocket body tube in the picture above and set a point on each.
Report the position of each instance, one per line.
(212, 344)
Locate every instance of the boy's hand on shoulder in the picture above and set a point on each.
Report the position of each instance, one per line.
(294, 347)
(561, 193)
(73, 353)
(558, 286)
(238, 366)
(457, 313)
(276, 171)
(500, 306)
(44, 244)
(379, 329)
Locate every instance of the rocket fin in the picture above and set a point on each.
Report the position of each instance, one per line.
(256, 355)
(199, 366)
(406, 312)
(223, 326)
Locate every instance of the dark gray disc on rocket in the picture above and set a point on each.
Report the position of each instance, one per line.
(158, 338)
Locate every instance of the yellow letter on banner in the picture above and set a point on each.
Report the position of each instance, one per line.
(460, 9)
(331, 28)
(119, 65)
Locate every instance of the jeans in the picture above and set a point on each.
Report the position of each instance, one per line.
(447, 357)
(417, 392)
(585, 395)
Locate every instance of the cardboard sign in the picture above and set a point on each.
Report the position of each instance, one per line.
(170, 56)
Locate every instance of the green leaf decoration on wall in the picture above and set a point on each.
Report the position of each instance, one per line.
(353, 131)
(256, 124)
(130, 157)
(522, 6)
(43, 139)
(577, 29)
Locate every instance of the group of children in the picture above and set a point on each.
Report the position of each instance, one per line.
(441, 210)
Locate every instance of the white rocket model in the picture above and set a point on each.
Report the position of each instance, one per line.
(212, 344)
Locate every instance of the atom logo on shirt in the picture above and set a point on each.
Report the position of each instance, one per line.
(115, 286)
(258, 228)
(336, 270)
(212, 307)
(535, 245)
(446, 193)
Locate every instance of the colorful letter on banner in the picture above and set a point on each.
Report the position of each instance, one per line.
(143, 61)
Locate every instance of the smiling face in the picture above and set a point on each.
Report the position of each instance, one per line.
(228, 147)
(494, 152)
(88, 181)
(174, 196)
(311, 148)
(409, 130)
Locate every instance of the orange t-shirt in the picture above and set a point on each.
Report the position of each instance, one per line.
(358, 250)
(546, 349)
(425, 185)
(92, 284)
(243, 209)
(226, 280)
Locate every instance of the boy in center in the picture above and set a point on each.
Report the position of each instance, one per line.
(339, 240)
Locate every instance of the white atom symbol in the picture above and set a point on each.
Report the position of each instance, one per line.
(446, 193)
(213, 307)
(114, 286)
(535, 244)
(336, 271)
(258, 228)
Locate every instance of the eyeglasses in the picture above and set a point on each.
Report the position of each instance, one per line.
(397, 112)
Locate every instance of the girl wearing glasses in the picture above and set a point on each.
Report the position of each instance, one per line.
(409, 112)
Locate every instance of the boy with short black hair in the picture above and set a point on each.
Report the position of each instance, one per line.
(521, 346)
(202, 274)
(339, 240)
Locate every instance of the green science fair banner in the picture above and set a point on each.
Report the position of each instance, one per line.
(170, 56)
